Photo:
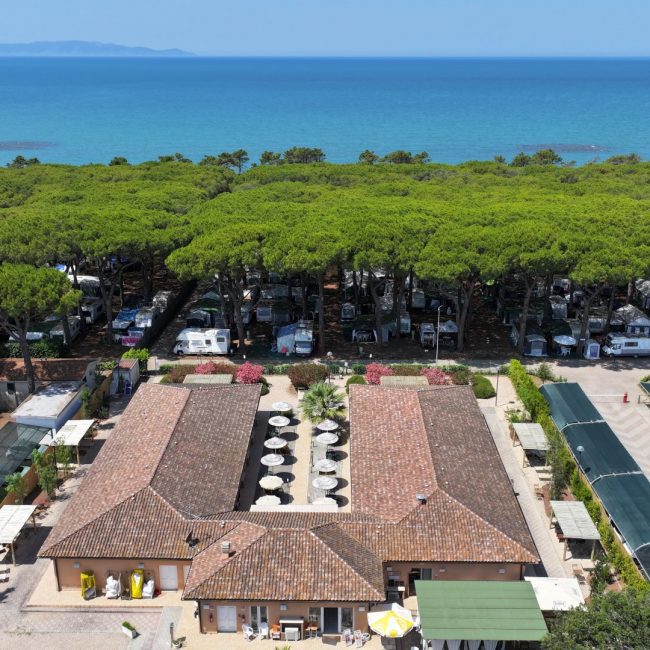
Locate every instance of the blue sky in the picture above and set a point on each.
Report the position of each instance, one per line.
(343, 27)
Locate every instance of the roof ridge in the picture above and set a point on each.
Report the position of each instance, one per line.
(489, 524)
(342, 559)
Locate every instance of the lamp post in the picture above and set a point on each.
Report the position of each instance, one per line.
(438, 333)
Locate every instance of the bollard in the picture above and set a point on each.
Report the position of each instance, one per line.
(625, 398)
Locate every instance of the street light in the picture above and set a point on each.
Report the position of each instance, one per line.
(438, 333)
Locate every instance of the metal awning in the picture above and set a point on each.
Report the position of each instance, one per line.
(557, 594)
(531, 436)
(70, 434)
(396, 381)
(208, 379)
(12, 520)
(479, 610)
(574, 520)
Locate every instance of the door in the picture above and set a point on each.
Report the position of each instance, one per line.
(168, 577)
(226, 618)
(330, 620)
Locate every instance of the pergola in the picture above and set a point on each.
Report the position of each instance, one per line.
(70, 435)
(12, 520)
(574, 522)
(531, 437)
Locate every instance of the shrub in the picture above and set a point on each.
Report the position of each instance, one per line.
(249, 373)
(141, 354)
(407, 369)
(482, 387)
(461, 377)
(646, 378)
(355, 379)
(212, 368)
(359, 368)
(375, 371)
(276, 369)
(435, 376)
(544, 372)
(106, 365)
(42, 349)
(178, 373)
(303, 375)
(166, 367)
(265, 387)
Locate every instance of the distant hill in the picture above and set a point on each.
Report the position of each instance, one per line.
(82, 49)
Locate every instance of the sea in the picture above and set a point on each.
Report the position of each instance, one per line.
(70, 110)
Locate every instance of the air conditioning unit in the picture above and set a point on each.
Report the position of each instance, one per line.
(225, 548)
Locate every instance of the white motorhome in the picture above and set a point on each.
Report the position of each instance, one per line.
(626, 345)
(194, 340)
(92, 309)
(75, 328)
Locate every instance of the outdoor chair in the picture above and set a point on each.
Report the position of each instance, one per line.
(248, 631)
(264, 630)
(276, 633)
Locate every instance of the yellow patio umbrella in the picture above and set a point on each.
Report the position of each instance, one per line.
(390, 620)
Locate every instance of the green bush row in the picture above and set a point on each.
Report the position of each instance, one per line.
(482, 387)
(41, 349)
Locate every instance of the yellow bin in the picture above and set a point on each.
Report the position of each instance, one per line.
(137, 582)
(88, 588)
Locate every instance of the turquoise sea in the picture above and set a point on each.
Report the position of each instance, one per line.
(89, 110)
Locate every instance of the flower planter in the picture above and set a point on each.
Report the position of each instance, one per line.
(129, 632)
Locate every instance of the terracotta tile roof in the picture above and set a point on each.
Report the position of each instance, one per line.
(45, 369)
(163, 429)
(432, 441)
(288, 564)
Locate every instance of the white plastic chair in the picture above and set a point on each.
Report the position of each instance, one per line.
(264, 630)
(249, 632)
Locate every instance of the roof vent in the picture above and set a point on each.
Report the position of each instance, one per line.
(225, 548)
(422, 499)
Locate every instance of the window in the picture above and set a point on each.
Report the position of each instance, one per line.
(631, 344)
(426, 574)
(347, 618)
(207, 341)
(314, 617)
(258, 615)
(221, 339)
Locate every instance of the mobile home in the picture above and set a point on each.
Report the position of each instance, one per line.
(92, 309)
(202, 341)
(535, 344)
(642, 288)
(74, 323)
(405, 323)
(427, 335)
(146, 316)
(626, 345)
(635, 321)
(558, 307)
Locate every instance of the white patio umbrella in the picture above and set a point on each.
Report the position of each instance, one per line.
(327, 425)
(270, 482)
(272, 460)
(279, 421)
(275, 443)
(325, 465)
(268, 500)
(327, 438)
(325, 482)
(390, 620)
(564, 339)
(281, 407)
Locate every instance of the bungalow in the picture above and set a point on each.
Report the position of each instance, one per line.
(430, 499)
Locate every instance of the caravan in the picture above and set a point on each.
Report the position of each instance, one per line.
(626, 345)
(146, 316)
(202, 341)
(92, 309)
(427, 335)
(74, 322)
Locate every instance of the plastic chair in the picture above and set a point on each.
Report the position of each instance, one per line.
(249, 632)
(264, 630)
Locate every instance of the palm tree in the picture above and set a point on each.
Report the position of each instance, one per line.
(323, 402)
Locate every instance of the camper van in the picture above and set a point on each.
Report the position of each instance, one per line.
(194, 340)
(427, 335)
(304, 338)
(626, 345)
(92, 309)
(146, 316)
(75, 328)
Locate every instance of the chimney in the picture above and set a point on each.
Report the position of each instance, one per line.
(225, 549)
(421, 498)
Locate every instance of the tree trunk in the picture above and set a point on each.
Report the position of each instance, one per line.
(463, 310)
(630, 291)
(610, 310)
(236, 293)
(303, 294)
(547, 296)
(321, 313)
(148, 268)
(523, 318)
(585, 319)
(410, 296)
(27, 358)
(400, 296)
(67, 335)
(375, 299)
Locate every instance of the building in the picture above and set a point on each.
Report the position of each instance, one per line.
(430, 500)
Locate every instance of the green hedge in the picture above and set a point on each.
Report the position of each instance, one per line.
(355, 379)
(482, 387)
(41, 349)
(276, 368)
(565, 472)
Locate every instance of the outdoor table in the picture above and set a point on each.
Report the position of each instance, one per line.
(324, 501)
(270, 482)
(268, 500)
(325, 465)
(325, 482)
(327, 438)
(272, 460)
(327, 425)
(279, 421)
(275, 443)
(281, 407)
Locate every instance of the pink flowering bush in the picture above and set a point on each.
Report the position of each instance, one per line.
(208, 368)
(375, 371)
(435, 376)
(249, 373)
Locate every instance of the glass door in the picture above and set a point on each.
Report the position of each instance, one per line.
(259, 615)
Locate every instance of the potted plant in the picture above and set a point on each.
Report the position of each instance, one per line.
(129, 630)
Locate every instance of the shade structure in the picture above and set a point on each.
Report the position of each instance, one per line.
(272, 460)
(270, 482)
(268, 500)
(531, 436)
(325, 482)
(485, 610)
(574, 520)
(71, 433)
(275, 443)
(569, 404)
(327, 425)
(564, 339)
(557, 594)
(390, 620)
(279, 421)
(281, 407)
(12, 520)
(327, 438)
(325, 465)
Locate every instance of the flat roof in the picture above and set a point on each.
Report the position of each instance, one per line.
(574, 520)
(479, 610)
(12, 520)
(531, 435)
(208, 379)
(407, 380)
(49, 401)
(556, 594)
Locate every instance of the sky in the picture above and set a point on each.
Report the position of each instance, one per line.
(342, 27)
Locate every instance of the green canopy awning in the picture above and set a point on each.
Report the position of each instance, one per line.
(479, 610)
(569, 404)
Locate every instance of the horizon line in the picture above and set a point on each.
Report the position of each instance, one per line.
(191, 55)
